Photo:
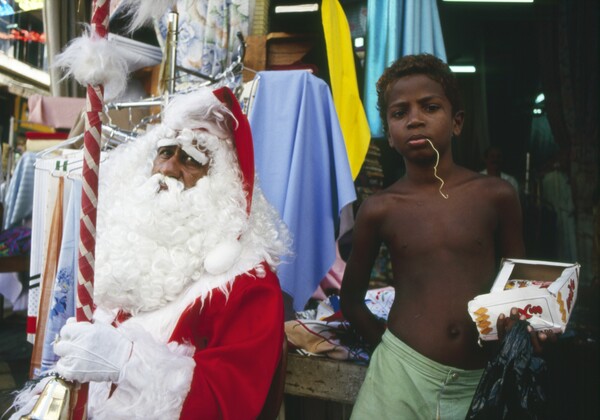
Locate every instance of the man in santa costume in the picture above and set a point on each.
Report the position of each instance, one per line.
(189, 316)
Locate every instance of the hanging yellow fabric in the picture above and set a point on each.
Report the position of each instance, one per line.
(344, 87)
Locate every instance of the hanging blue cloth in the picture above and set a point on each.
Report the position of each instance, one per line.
(65, 284)
(6, 9)
(301, 160)
(19, 199)
(397, 28)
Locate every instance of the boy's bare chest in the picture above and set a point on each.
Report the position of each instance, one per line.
(429, 222)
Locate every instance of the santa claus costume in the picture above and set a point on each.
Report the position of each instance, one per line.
(189, 316)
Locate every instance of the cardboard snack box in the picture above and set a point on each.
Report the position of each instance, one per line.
(543, 291)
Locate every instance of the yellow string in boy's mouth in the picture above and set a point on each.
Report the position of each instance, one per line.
(437, 161)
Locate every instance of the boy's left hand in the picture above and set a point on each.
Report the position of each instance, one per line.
(538, 338)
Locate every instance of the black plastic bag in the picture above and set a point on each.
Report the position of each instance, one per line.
(512, 385)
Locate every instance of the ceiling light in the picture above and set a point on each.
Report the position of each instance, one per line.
(463, 69)
(540, 98)
(491, 1)
(297, 8)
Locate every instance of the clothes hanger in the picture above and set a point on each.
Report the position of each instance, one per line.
(75, 167)
(61, 163)
(61, 145)
(112, 136)
(152, 101)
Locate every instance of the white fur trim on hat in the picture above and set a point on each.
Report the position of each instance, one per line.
(222, 257)
(199, 110)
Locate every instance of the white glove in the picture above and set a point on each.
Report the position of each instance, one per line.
(91, 352)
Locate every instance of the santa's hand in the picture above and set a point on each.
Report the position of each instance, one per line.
(91, 352)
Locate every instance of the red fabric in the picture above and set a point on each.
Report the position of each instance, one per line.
(31, 324)
(32, 135)
(238, 343)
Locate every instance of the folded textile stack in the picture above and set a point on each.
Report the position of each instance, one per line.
(324, 331)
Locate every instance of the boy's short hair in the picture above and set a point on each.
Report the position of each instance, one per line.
(426, 64)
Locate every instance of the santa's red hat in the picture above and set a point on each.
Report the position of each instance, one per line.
(242, 137)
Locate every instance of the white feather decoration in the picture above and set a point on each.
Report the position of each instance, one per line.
(142, 11)
(93, 60)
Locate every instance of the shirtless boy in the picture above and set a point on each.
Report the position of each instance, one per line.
(444, 226)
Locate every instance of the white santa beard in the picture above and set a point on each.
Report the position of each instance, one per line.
(151, 245)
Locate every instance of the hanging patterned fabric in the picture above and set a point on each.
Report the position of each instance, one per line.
(44, 194)
(19, 203)
(62, 305)
(49, 273)
(48, 171)
(207, 33)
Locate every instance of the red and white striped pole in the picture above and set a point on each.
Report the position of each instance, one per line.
(89, 196)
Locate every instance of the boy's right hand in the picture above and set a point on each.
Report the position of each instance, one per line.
(538, 338)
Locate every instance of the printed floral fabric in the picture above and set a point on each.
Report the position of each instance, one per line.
(62, 306)
(207, 40)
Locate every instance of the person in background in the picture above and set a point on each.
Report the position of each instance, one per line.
(444, 226)
(493, 166)
(556, 192)
(189, 316)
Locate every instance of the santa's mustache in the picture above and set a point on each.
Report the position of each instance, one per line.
(159, 183)
(162, 192)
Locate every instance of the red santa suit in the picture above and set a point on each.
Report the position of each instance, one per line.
(221, 331)
(212, 351)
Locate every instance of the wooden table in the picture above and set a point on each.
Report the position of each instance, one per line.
(17, 264)
(323, 378)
